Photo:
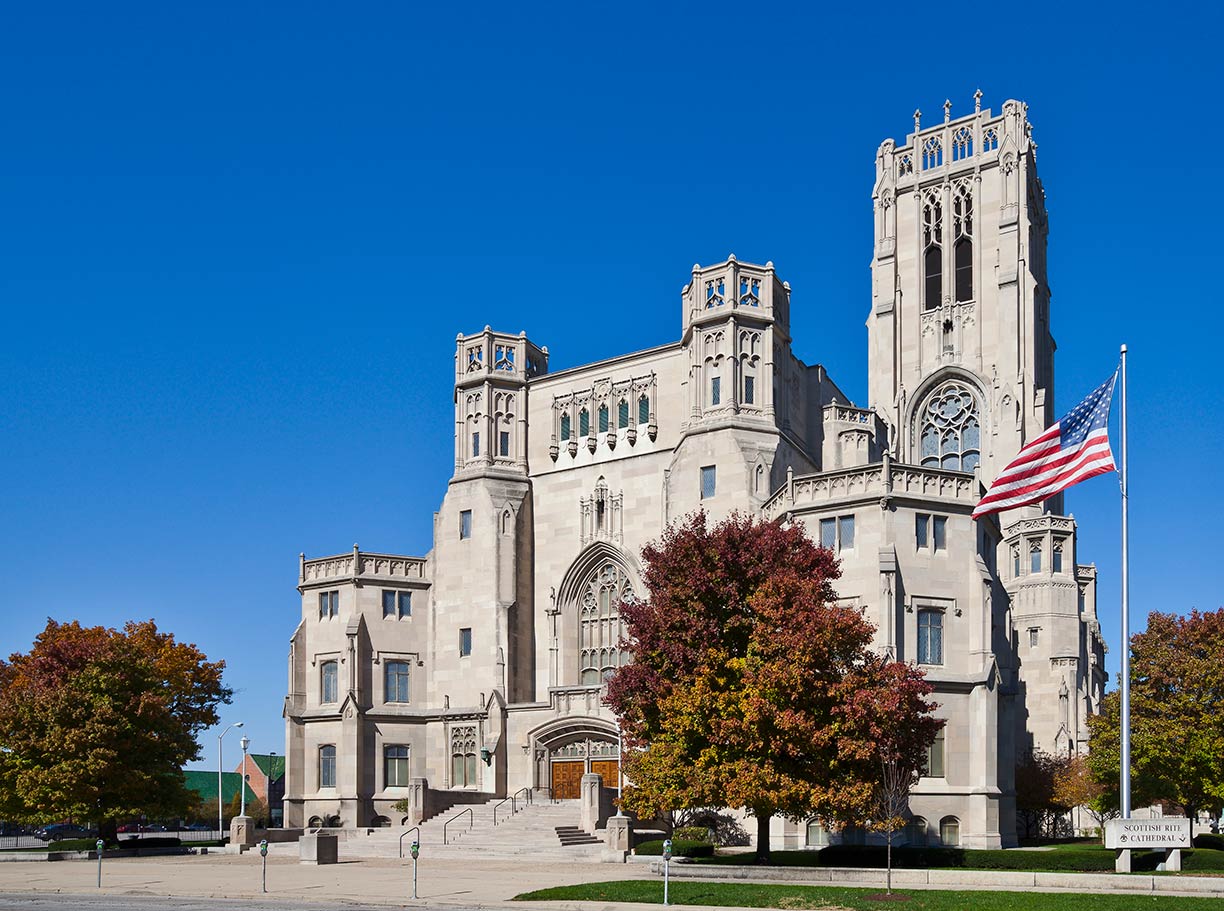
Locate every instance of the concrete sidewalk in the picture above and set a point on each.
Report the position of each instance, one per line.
(473, 884)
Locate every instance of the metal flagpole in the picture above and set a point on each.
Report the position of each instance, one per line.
(1125, 772)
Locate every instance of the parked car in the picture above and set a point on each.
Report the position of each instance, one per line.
(62, 830)
(198, 827)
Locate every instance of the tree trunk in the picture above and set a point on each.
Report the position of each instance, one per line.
(762, 846)
(108, 831)
(888, 886)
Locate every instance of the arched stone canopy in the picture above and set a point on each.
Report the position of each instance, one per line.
(566, 748)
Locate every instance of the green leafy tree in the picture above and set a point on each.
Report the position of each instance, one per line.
(749, 686)
(96, 723)
(1177, 714)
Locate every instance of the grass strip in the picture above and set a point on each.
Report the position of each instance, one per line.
(833, 898)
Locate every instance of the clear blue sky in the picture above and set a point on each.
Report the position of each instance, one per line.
(238, 240)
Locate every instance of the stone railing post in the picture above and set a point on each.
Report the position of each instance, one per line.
(590, 802)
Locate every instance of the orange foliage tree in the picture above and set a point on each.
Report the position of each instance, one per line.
(96, 724)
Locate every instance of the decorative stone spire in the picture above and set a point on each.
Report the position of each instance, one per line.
(947, 109)
(977, 102)
(917, 120)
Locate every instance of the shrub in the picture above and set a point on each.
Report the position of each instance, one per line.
(73, 844)
(1209, 840)
(165, 841)
(679, 848)
(691, 833)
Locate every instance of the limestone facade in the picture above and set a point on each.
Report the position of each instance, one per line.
(476, 670)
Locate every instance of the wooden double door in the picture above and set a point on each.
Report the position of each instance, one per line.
(567, 776)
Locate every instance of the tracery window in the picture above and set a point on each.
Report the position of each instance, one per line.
(599, 624)
(603, 418)
(584, 423)
(644, 410)
(565, 427)
(950, 433)
(622, 414)
(463, 756)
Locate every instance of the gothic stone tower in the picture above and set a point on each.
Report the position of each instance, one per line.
(962, 366)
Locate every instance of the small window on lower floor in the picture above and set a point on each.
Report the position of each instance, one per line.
(1034, 636)
(934, 767)
(503, 443)
(949, 831)
(708, 481)
(327, 766)
(930, 636)
(396, 762)
(916, 832)
(465, 642)
(817, 834)
(465, 524)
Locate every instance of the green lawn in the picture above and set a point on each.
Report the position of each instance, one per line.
(798, 898)
(1066, 858)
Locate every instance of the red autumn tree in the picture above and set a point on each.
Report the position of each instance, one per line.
(749, 686)
(96, 724)
(894, 728)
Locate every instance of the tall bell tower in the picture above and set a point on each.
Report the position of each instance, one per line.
(961, 356)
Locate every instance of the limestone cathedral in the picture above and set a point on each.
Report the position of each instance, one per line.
(475, 670)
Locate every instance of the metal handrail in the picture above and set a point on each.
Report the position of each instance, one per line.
(513, 807)
(526, 792)
(471, 822)
(416, 829)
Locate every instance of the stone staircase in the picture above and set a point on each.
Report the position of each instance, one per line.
(545, 830)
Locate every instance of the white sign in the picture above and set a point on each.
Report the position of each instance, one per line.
(1162, 832)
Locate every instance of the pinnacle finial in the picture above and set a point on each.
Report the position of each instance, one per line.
(977, 102)
(947, 109)
(917, 120)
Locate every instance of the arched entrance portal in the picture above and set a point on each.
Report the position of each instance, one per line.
(568, 748)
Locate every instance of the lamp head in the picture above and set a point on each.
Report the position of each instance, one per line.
(246, 742)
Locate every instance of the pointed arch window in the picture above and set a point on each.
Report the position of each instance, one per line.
(950, 432)
(932, 251)
(962, 249)
(603, 418)
(644, 410)
(565, 427)
(622, 414)
(584, 423)
(599, 624)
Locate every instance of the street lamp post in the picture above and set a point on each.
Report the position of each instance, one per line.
(220, 806)
(246, 742)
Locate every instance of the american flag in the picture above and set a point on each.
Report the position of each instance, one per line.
(1071, 450)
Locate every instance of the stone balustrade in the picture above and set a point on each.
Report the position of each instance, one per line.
(359, 564)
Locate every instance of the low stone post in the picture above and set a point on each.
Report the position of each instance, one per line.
(590, 802)
(418, 796)
(619, 839)
(242, 832)
(318, 849)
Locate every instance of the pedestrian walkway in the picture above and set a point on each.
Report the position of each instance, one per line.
(471, 882)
